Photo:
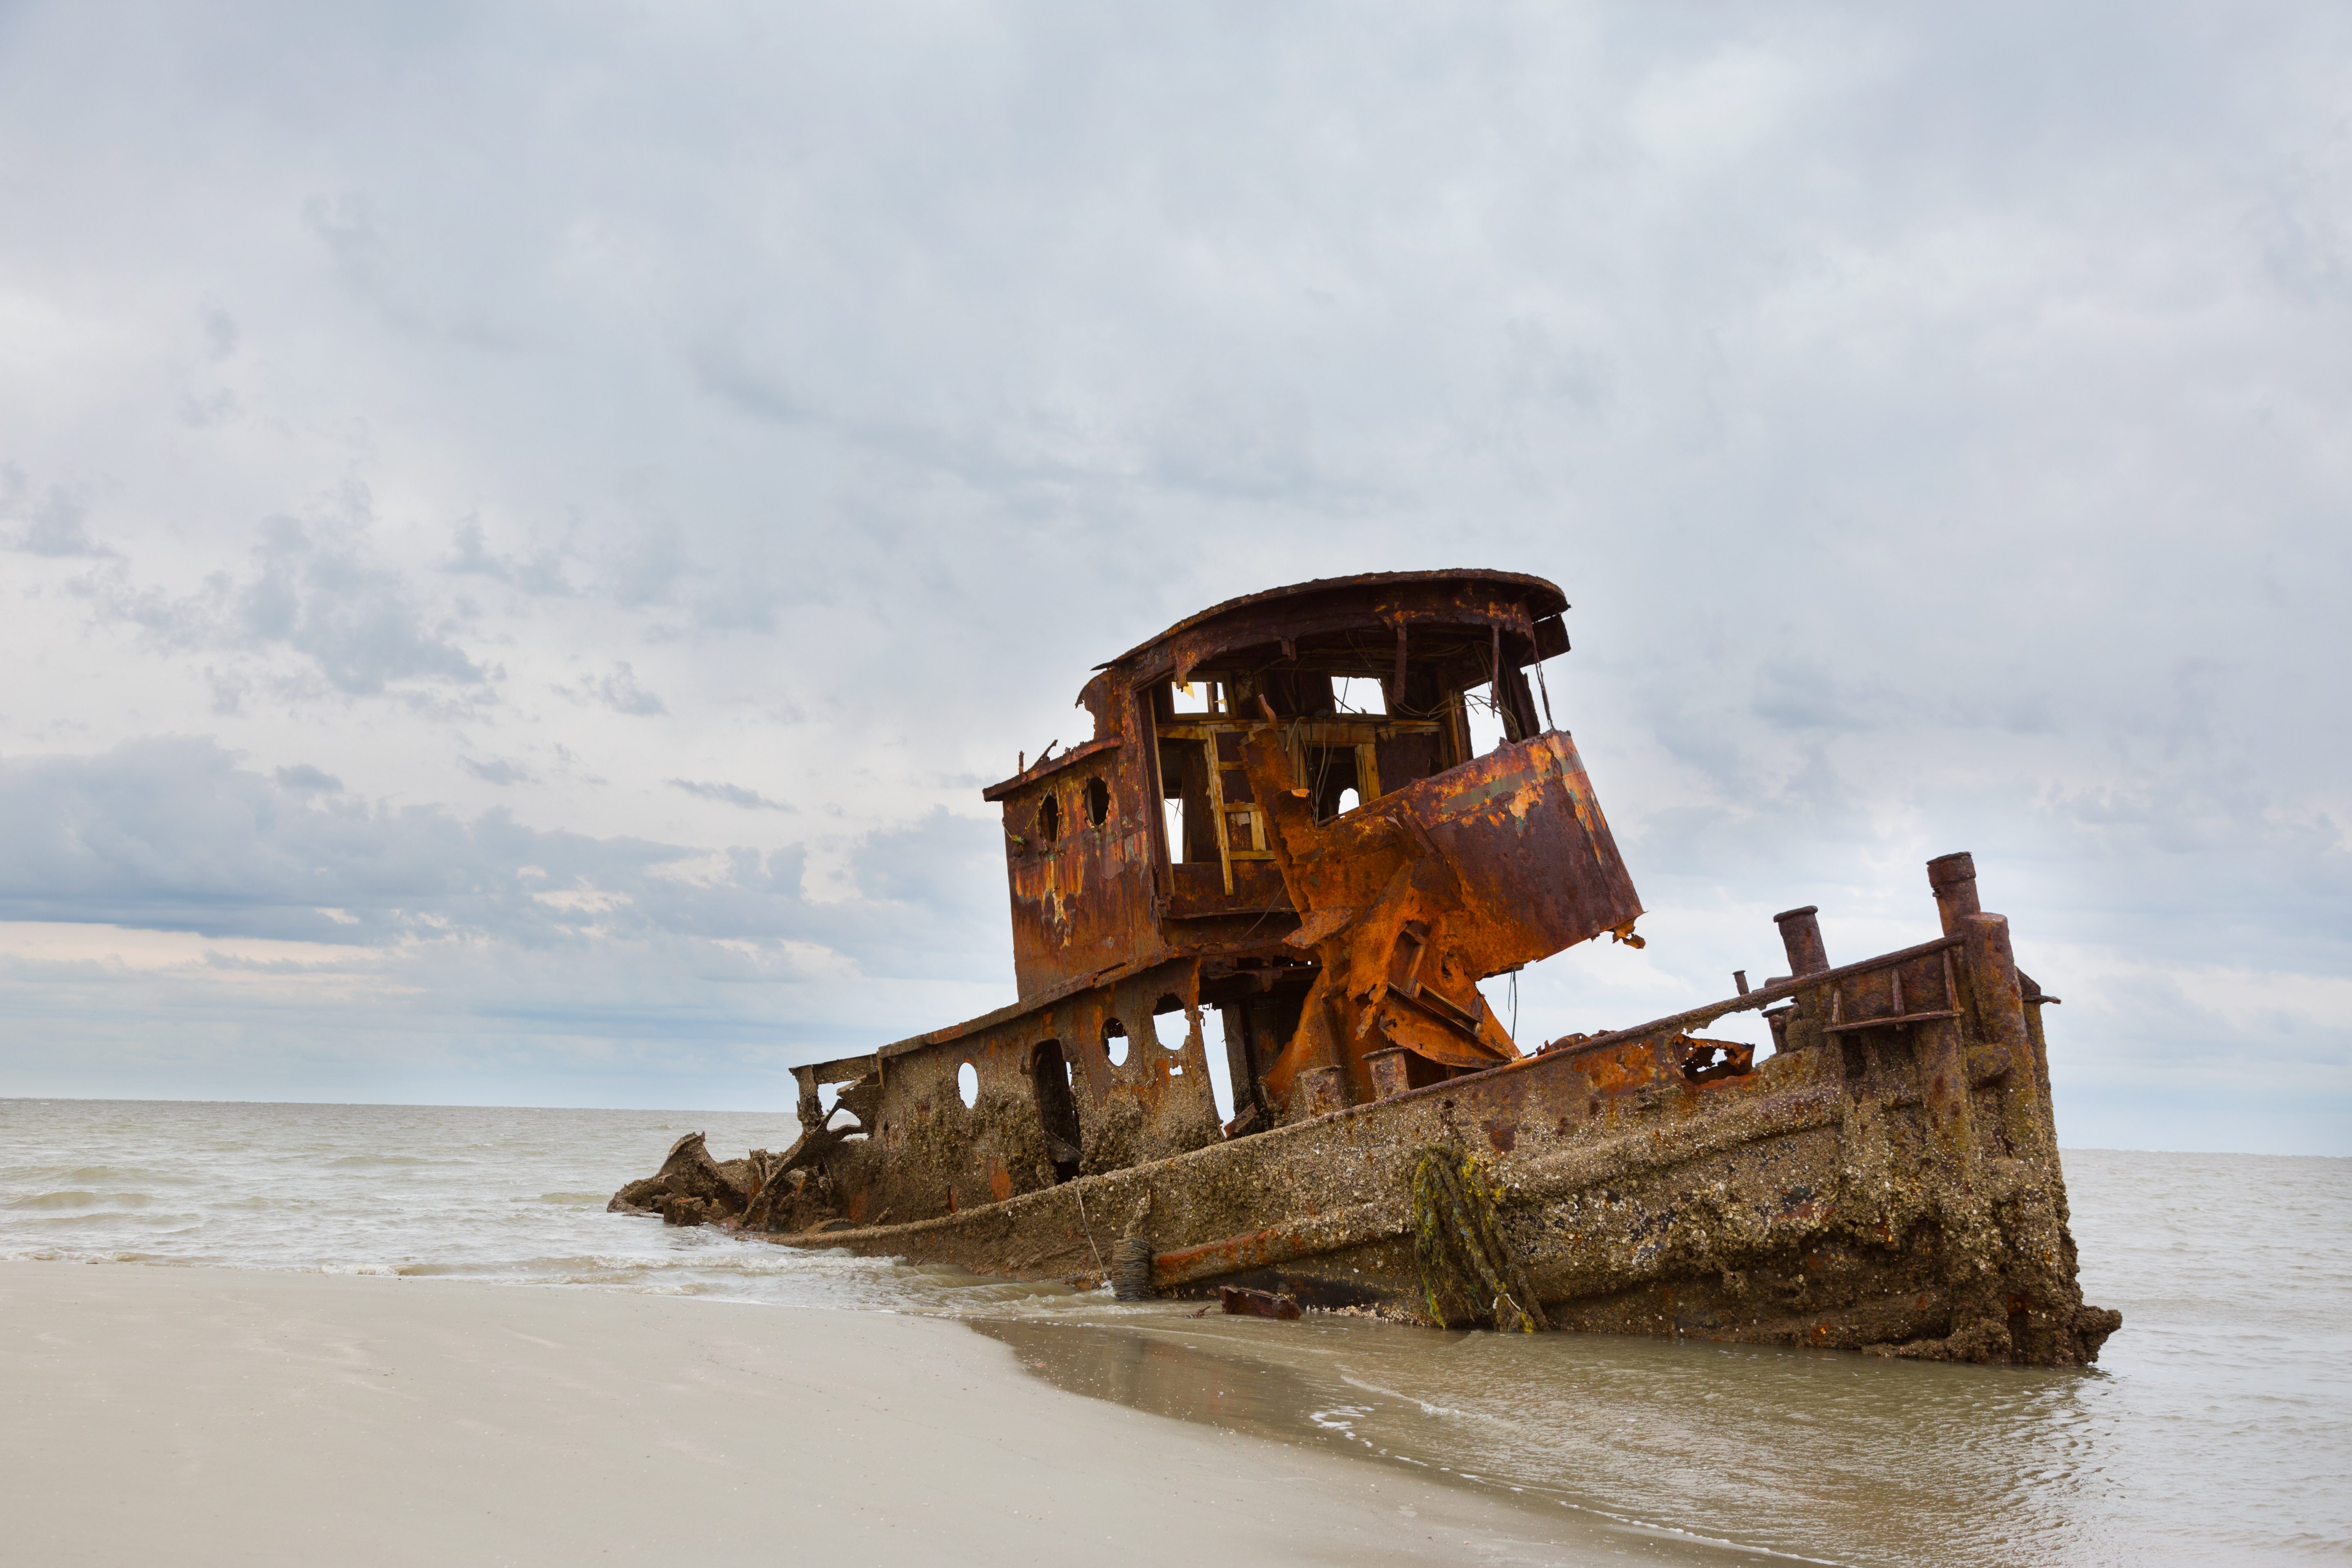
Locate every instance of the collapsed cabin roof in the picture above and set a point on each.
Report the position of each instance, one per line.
(1365, 599)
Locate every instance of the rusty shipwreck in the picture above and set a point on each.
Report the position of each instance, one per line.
(1282, 815)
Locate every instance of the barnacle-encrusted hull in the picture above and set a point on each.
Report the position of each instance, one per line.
(1893, 1188)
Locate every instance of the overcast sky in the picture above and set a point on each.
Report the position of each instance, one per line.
(527, 527)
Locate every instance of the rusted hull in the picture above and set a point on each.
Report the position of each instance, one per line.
(1885, 1188)
(1250, 830)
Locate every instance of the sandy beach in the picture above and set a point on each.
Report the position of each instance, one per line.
(189, 1415)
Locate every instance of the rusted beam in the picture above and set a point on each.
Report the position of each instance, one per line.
(1762, 996)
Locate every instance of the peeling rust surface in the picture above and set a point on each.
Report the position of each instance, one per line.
(1281, 816)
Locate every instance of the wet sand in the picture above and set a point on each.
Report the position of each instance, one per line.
(198, 1415)
(2217, 1428)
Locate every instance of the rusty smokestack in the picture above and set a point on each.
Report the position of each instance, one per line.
(1954, 880)
(1801, 934)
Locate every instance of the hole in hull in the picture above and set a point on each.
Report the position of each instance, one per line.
(1058, 1108)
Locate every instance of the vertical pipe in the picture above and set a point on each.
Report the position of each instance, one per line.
(2001, 1020)
(1992, 976)
(1954, 880)
(1155, 795)
(1801, 934)
(1502, 699)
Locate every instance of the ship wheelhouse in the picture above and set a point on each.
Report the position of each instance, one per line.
(1154, 840)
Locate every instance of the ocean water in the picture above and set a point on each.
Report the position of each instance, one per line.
(2218, 1427)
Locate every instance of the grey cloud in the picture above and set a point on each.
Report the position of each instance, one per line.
(53, 525)
(220, 334)
(647, 564)
(172, 834)
(541, 572)
(621, 693)
(307, 780)
(318, 592)
(314, 589)
(729, 794)
(346, 226)
(498, 772)
(175, 835)
(229, 689)
(382, 268)
(1812, 696)
(202, 410)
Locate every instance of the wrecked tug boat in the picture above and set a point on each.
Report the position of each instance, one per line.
(1282, 815)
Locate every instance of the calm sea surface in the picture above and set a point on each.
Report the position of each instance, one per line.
(2218, 1429)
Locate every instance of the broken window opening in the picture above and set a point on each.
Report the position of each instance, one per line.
(1362, 694)
(1049, 818)
(1334, 774)
(1192, 817)
(1296, 693)
(968, 1085)
(1058, 1108)
(1486, 731)
(1098, 802)
(837, 1115)
(1345, 731)
(1169, 1024)
(1703, 1061)
(1197, 696)
(1258, 1029)
(1115, 1041)
(1519, 704)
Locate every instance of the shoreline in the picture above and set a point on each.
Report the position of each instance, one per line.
(218, 1416)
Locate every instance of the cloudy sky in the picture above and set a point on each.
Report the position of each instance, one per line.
(527, 527)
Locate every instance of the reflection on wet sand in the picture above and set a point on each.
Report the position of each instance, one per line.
(1812, 1454)
(1304, 1393)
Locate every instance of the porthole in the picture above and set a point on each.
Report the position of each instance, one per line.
(1049, 820)
(968, 1085)
(1098, 802)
